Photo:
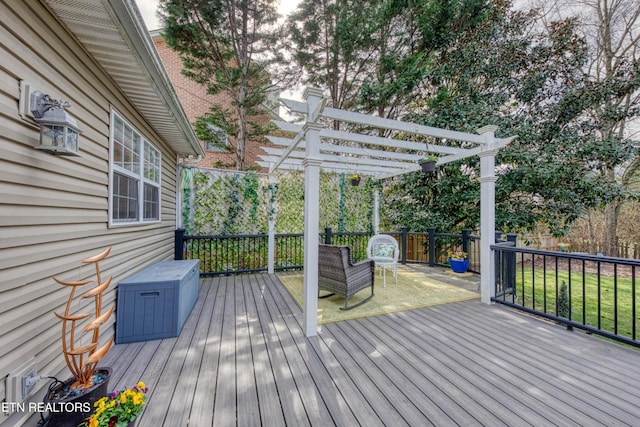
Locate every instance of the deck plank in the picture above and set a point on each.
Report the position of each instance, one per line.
(300, 360)
(617, 399)
(546, 382)
(225, 404)
(329, 371)
(242, 359)
(269, 403)
(184, 393)
(202, 409)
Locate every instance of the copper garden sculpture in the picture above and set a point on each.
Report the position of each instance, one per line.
(83, 359)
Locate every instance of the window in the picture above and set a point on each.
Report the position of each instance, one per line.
(218, 141)
(135, 176)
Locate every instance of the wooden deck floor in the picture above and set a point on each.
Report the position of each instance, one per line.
(242, 359)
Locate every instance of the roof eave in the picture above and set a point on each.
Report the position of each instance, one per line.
(157, 101)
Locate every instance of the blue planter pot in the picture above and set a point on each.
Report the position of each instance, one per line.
(459, 266)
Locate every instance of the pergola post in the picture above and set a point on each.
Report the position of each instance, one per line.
(487, 212)
(271, 218)
(311, 163)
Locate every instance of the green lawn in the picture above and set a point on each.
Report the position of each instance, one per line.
(584, 292)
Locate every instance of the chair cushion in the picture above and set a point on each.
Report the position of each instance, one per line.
(384, 250)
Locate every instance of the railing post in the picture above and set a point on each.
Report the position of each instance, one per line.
(510, 261)
(403, 245)
(466, 236)
(499, 272)
(179, 244)
(432, 246)
(327, 235)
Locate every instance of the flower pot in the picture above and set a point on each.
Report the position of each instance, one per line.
(459, 265)
(72, 407)
(428, 166)
(355, 181)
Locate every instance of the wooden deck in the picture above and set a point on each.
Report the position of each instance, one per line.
(242, 359)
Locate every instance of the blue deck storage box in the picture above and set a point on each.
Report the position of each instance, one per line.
(155, 302)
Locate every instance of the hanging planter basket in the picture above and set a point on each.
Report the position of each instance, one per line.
(427, 165)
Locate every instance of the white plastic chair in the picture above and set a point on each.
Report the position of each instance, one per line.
(384, 251)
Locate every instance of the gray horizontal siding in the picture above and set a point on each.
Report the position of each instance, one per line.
(53, 209)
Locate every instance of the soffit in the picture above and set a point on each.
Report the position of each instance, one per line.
(113, 32)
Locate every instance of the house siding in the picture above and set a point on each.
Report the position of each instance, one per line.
(54, 210)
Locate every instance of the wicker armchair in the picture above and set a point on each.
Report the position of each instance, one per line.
(338, 274)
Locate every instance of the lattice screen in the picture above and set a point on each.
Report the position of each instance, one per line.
(217, 202)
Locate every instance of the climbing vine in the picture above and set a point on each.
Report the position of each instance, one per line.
(341, 204)
(251, 193)
(230, 202)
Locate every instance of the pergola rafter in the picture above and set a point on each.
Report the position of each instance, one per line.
(314, 148)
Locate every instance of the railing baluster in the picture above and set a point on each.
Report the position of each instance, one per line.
(544, 283)
(633, 302)
(599, 299)
(584, 293)
(615, 299)
(569, 290)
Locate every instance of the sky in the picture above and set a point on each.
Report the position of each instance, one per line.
(148, 11)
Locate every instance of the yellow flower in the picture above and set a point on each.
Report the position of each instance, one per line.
(124, 404)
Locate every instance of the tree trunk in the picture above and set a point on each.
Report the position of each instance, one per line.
(610, 238)
(592, 234)
(242, 134)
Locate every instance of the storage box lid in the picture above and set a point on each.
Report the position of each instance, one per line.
(162, 271)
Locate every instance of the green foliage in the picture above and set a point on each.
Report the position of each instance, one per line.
(564, 308)
(238, 203)
(228, 203)
(531, 84)
(290, 203)
(251, 194)
(604, 297)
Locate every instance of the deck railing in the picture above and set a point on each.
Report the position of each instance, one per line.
(232, 254)
(594, 293)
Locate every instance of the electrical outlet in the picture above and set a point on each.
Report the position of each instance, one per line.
(17, 385)
(29, 382)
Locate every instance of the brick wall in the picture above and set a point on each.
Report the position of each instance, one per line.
(196, 102)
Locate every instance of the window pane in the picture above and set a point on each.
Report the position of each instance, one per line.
(125, 198)
(126, 146)
(151, 163)
(151, 202)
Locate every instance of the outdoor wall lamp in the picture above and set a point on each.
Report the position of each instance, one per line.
(59, 131)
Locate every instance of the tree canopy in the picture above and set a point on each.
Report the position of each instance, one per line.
(531, 83)
(226, 45)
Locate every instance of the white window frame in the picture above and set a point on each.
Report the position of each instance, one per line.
(135, 172)
(222, 139)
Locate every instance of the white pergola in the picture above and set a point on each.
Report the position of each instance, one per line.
(314, 148)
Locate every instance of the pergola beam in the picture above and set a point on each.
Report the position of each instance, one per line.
(380, 122)
(356, 161)
(372, 139)
(353, 167)
(348, 149)
(383, 123)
